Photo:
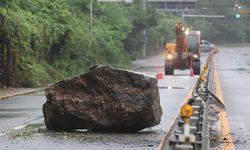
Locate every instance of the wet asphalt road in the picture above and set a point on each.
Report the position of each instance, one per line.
(20, 110)
(15, 112)
(233, 65)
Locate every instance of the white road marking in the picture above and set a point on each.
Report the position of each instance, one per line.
(19, 127)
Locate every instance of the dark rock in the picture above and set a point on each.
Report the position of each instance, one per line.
(105, 99)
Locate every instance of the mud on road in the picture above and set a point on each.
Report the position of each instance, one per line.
(36, 136)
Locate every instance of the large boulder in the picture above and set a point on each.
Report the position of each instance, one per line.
(106, 99)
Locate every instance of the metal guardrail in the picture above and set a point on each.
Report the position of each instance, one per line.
(200, 130)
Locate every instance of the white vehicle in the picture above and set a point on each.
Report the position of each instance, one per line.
(206, 46)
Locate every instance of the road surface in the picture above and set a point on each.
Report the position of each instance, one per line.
(17, 112)
(20, 110)
(232, 64)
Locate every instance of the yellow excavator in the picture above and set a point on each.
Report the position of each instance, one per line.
(184, 53)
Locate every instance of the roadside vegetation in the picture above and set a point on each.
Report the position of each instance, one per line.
(48, 40)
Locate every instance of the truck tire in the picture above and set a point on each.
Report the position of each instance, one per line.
(169, 68)
(196, 66)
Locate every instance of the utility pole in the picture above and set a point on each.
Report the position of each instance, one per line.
(91, 16)
(144, 31)
(2, 72)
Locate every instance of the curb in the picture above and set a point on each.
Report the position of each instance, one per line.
(21, 93)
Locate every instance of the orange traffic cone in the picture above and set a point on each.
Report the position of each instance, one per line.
(191, 70)
(159, 74)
